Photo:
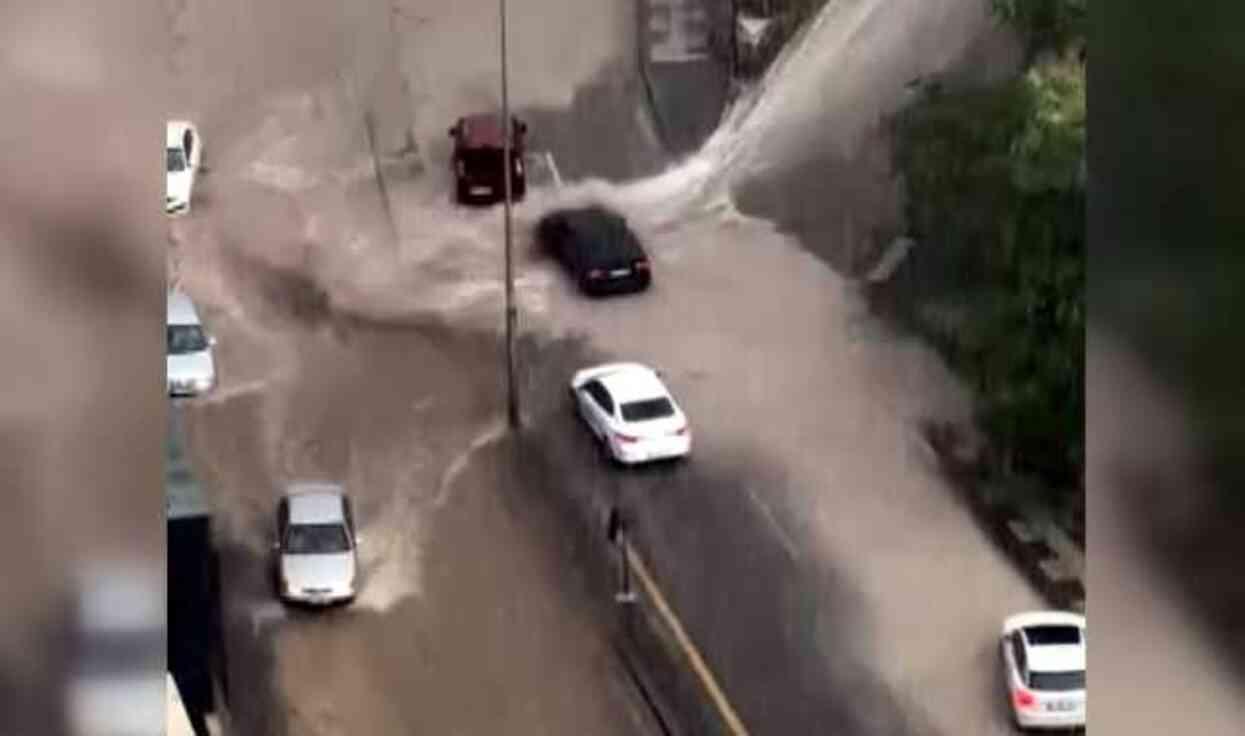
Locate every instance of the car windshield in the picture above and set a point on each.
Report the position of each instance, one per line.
(1053, 634)
(316, 539)
(1057, 681)
(647, 410)
(174, 159)
(483, 160)
(185, 339)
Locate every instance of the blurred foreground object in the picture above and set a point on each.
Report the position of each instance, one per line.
(1166, 414)
(81, 295)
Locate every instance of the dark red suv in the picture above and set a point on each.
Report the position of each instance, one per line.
(478, 159)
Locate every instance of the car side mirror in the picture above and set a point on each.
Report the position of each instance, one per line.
(358, 539)
(212, 341)
(276, 546)
(450, 132)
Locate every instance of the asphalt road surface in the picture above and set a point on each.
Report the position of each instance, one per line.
(825, 571)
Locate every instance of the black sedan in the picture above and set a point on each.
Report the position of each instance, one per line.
(597, 248)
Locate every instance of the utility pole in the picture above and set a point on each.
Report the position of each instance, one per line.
(512, 398)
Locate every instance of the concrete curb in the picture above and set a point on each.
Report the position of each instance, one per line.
(1051, 562)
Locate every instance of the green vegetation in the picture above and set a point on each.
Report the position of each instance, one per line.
(1045, 25)
(996, 191)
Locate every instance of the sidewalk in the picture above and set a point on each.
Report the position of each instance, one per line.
(1052, 561)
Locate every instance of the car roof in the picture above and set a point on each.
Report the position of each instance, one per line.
(482, 130)
(315, 507)
(1040, 618)
(181, 310)
(174, 131)
(315, 503)
(598, 227)
(593, 217)
(632, 382)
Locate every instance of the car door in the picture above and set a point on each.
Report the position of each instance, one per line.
(570, 248)
(188, 145)
(597, 407)
(348, 512)
(283, 522)
(605, 408)
(278, 544)
(1018, 675)
(553, 233)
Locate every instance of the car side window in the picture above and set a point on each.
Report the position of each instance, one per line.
(600, 396)
(1018, 651)
(188, 140)
(604, 398)
(283, 518)
(349, 512)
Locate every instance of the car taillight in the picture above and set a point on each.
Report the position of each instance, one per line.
(1025, 699)
(595, 273)
(626, 438)
(641, 265)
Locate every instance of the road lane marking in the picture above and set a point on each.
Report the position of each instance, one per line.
(734, 725)
(783, 537)
(495, 430)
(553, 168)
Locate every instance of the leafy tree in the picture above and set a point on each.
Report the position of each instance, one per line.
(1045, 25)
(997, 176)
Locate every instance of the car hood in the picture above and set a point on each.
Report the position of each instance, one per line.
(333, 572)
(191, 365)
(178, 184)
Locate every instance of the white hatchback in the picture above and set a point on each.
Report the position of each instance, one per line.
(183, 156)
(630, 412)
(1044, 663)
(190, 369)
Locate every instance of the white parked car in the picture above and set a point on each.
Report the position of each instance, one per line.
(316, 545)
(182, 160)
(190, 369)
(1044, 664)
(630, 412)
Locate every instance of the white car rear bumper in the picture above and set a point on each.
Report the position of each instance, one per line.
(1041, 719)
(649, 450)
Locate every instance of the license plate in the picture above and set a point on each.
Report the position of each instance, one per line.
(481, 190)
(620, 272)
(1063, 706)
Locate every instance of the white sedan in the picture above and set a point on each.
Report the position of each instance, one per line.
(630, 412)
(1044, 664)
(183, 156)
